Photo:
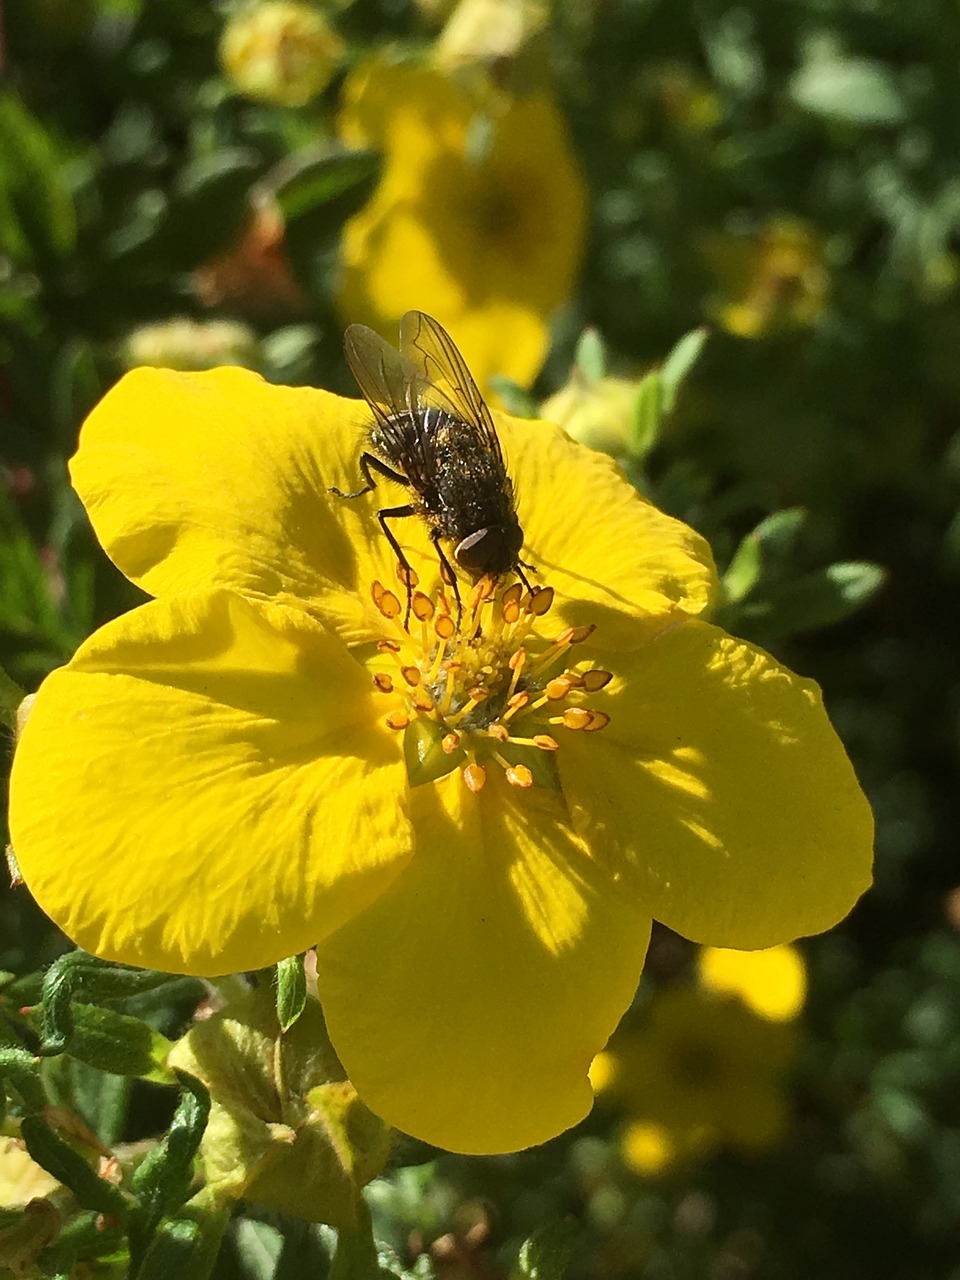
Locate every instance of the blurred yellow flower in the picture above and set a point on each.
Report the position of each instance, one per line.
(474, 826)
(772, 982)
(699, 1073)
(184, 343)
(488, 31)
(280, 51)
(774, 281)
(479, 216)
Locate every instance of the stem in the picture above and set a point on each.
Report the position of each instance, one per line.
(356, 1256)
(11, 695)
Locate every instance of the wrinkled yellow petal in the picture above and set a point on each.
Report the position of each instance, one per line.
(721, 792)
(203, 789)
(220, 478)
(466, 1004)
(611, 557)
(773, 982)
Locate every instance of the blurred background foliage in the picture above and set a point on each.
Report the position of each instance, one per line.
(188, 183)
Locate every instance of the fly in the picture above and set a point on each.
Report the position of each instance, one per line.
(433, 434)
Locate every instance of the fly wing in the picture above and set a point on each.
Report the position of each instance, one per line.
(445, 382)
(393, 387)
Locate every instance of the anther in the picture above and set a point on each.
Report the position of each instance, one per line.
(510, 602)
(545, 742)
(412, 675)
(556, 689)
(423, 607)
(407, 575)
(498, 731)
(517, 700)
(575, 718)
(422, 700)
(388, 646)
(519, 776)
(389, 604)
(444, 626)
(474, 775)
(450, 742)
(596, 679)
(598, 720)
(579, 634)
(541, 601)
(383, 682)
(397, 720)
(376, 591)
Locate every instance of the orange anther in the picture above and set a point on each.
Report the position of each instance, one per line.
(545, 742)
(389, 605)
(422, 700)
(474, 775)
(423, 607)
(557, 688)
(517, 659)
(519, 776)
(576, 718)
(376, 591)
(444, 626)
(407, 575)
(388, 646)
(397, 720)
(478, 693)
(541, 601)
(412, 675)
(498, 731)
(573, 679)
(518, 699)
(383, 682)
(450, 742)
(598, 720)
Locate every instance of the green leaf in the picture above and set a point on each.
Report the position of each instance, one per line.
(162, 1182)
(309, 183)
(60, 1160)
(647, 415)
(743, 571)
(513, 397)
(546, 1255)
(677, 366)
(173, 1251)
(20, 1069)
(815, 600)
(591, 355)
(105, 982)
(291, 991)
(112, 1041)
(37, 219)
(850, 90)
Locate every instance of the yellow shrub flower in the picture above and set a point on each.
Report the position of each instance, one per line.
(701, 1072)
(772, 983)
(261, 758)
(773, 282)
(479, 216)
(280, 51)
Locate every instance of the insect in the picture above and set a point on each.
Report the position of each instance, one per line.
(433, 434)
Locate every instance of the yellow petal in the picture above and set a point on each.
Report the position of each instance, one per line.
(467, 1003)
(773, 982)
(721, 792)
(220, 478)
(611, 557)
(203, 788)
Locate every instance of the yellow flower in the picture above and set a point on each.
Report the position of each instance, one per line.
(478, 218)
(774, 282)
(261, 759)
(772, 983)
(280, 51)
(182, 343)
(700, 1073)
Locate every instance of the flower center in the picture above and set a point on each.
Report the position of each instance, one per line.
(490, 692)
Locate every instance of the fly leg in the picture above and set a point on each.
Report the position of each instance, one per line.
(389, 513)
(370, 462)
(447, 572)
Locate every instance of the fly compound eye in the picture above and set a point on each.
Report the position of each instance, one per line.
(490, 550)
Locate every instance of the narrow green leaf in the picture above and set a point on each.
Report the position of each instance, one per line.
(852, 90)
(116, 1042)
(162, 1181)
(815, 600)
(647, 415)
(21, 1070)
(60, 1160)
(743, 571)
(310, 182)
(291, 991)
(37, 219)
(173, 1251)
(591, 355)
(678, 364)
(77, 971)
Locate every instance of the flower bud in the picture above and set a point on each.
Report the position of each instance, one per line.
(281, 52)
(189, 345)
(600, 412)
(286, 1129)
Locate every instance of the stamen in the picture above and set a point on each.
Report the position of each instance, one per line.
(412, 675)
(475, 776)
(545, 742)
(383, 682)
(423, 607)
(444, 626)
(598, 720)
(498, 731)
(422, 700)
(573, 718)
(407, 575)
(596, 679)
(388, 646)
(541, 602)
(397, 720)
(450, 742)
(519, 776)
(510, 603)
(389, 604)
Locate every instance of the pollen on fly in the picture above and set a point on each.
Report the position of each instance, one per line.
(433, 433)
